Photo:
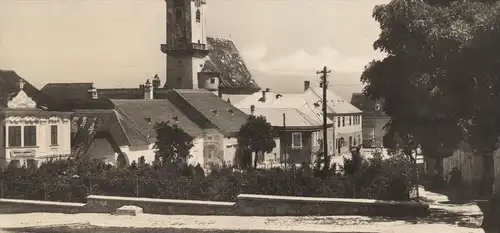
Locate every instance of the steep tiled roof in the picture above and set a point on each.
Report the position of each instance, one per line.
(225, 58)
(9, 87)
(141, 115)
(335, 103)
(367, 106)
(69, 91)
(218, 112)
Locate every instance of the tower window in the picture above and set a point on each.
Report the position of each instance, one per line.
(198, 15)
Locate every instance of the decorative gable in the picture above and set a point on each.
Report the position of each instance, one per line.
(21, 100)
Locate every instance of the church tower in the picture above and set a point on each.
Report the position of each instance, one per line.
(186, 44)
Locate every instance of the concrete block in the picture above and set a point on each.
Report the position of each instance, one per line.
(129, 210)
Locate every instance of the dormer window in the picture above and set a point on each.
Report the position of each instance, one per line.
(198, 15)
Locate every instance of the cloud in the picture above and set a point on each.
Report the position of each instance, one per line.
(303, 62)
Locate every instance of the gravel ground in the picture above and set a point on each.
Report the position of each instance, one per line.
(105, 223)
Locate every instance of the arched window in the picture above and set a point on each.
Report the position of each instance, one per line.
(198, 15)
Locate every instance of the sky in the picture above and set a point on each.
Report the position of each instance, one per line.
(116, 43)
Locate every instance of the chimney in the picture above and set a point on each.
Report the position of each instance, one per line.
(252, 109)
(267, 89)
(156, 81)
(307, 85)
(92, 91)
(148, 90)
(263, 96)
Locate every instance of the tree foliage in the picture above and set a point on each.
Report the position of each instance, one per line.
(257, 135)
(441, 77)
(172, 144)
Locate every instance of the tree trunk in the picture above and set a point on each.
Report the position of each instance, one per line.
(488, 174)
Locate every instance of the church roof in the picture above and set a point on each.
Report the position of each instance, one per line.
(225, 58)
(9, 87)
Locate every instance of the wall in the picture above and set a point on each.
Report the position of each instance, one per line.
(101, 148)
(246, 205)
(471, 167)
(296, 155)
(197, 153)
(345, 131)
(373, 128)
(43, 150)
(109, 204)
(14, 206)
(230, 146)
(267, 205)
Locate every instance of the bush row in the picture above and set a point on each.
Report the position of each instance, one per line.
(68, 180)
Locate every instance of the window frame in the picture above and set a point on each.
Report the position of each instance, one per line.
(54, 135)
(30, 139)
(17, 135)
(295, 134)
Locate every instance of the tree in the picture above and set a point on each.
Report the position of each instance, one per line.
(439, 79)
(172, 143)
(257, 136)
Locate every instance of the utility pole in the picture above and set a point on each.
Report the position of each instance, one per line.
(324, 84)
(284, 141)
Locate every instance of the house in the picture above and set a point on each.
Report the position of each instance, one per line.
(299, 125)
(374, 120)
(347, 118)
(195, 60)
(126, 119)
(30, 134)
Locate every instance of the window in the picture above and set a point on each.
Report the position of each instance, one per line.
(14, 136)
(338, 121)
(343, 121)
(53, 135)
(4, 136)
(338, 146)
(30, 135)
(350, 120)
(198, 15)
(350, 142)
(297, 140)
(212, 80)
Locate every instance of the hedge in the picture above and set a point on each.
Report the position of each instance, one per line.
(67, 180)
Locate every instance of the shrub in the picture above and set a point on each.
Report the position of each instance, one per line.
(67, 180)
